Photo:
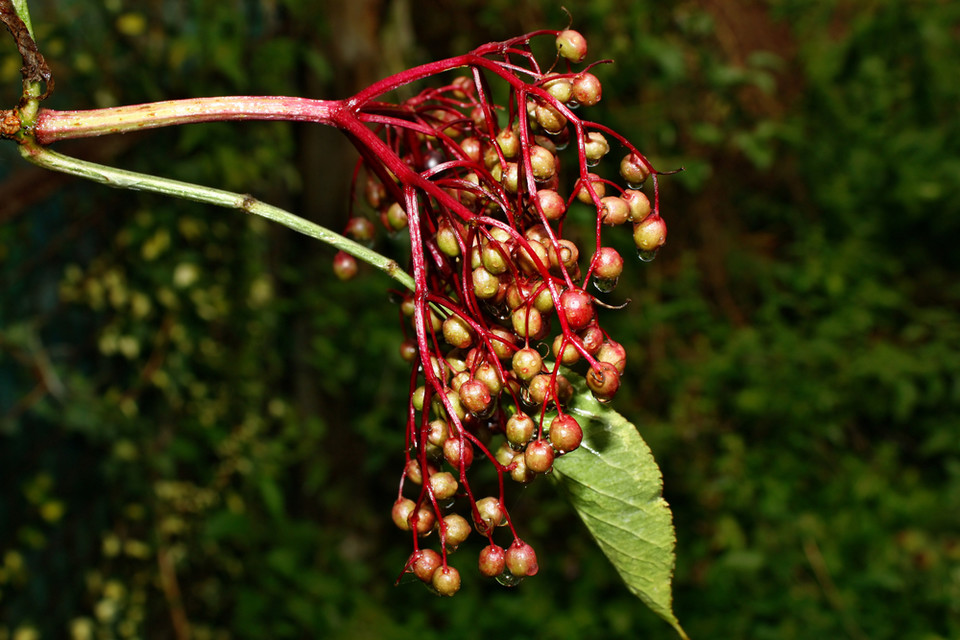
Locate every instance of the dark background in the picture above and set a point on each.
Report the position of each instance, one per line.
(200, 429)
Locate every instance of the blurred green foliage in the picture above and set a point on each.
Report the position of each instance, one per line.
(199, 427)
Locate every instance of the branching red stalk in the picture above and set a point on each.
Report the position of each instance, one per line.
(476, 185)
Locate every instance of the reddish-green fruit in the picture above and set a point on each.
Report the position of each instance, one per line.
(567, 255)
(552, 204)
(583, 193)
(458, 332)
(447, 240)
(475, 396)
(539, 456)
(540, 389)
(361, 230)
(345, 266)
(446, 581)
(403, 508)
(592, 338)
(501, 342)
(519, 429)
(650, 234)
(458, 453)
(423, 519)
(437, 432)
(492, 561)
(559, 88)
(572, 45)
(569, 356)
(639, 204)
(542, 163)
(527, 322)
(443, 485)
(531, 257)
(485, 284)
(509, 143)
(587, 89)
(576, 305)
(424, 563)
(527, 363)
(408, 350)
(495, 258)
(633, 169)
(595, 146)
(395, 217)
(551, 120)
(603, 380)
(608, 264)
(615, 210)
(490, 376)
(565, 433)
(455, 529)
(489, 514)
(521, 559)
(520, 473)
(415, 473)
(614, 353)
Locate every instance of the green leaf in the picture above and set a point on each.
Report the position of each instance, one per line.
(615, 485)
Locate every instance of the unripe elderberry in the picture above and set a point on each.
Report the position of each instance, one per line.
(539, 456)
(446, 581)
(572, 45)
(565, 433)
(492, 561)
(521, 559)
(576, 305)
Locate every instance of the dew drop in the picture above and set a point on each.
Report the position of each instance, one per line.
(605, 285)
(647, 256)
(636, 185)
(573, 104)
(507, 579)
(561, 143)
(592, 162)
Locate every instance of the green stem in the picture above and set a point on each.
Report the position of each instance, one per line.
(123, 179)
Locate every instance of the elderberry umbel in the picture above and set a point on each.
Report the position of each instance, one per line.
(502, 297)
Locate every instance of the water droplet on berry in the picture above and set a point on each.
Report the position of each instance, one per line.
(507, 579)
(592, 162)
(647, 256)
(561, 143)
(635, 185)
(605, 285)
(573, 104)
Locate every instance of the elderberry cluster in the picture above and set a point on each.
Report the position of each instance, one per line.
(501, 304)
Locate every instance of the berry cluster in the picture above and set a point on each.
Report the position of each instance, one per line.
(501, 300)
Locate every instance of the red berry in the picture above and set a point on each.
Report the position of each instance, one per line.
(527, 363)
(493, 559)
(539, 456)
(587, 89)
(650, 234)
(425, 562)
(577, 308)
(603, 380)
(521, 559)
(446, 581)
(458, 452)
(608, 264)
(489, 515)
(519, 429)
(345, 266)
(565, 433)
(455, 530)
(572, 45)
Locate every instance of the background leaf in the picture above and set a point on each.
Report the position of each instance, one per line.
(615, 485)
